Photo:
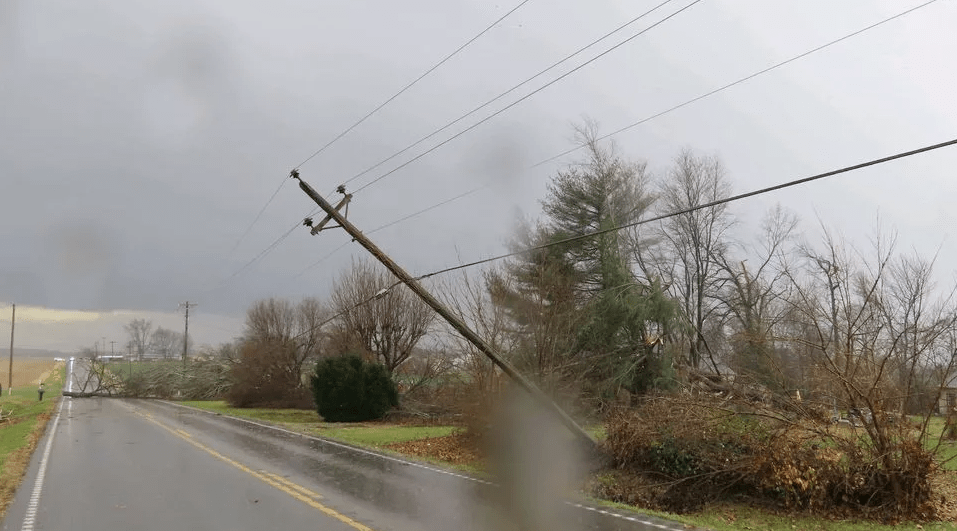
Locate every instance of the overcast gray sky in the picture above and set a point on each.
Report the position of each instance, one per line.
(138, 139)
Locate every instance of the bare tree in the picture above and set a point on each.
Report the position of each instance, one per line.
(875, 330)
(290, 334)
(473, 302)
(694, 242)
(166, 343)
(387, 319)
(280, 338)
(270, 320)
(916, 321)
(423, 368)
(754, 299)
(140, 333)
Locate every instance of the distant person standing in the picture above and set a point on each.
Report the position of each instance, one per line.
(40, 391)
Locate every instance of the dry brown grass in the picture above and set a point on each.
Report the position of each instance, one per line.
(26, 372)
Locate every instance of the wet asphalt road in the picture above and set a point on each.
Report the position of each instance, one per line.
(139, 464)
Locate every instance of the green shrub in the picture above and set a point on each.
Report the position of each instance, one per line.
(349, 389)
(668, 458)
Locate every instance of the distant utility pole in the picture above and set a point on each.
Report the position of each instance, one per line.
(457, 323)
(187, 304)
(112, 348)
(13, 320)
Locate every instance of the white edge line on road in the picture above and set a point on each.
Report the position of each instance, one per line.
(643, 521)
(30, 518)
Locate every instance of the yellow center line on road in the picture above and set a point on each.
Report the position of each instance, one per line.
(294, 486)
(296, 491)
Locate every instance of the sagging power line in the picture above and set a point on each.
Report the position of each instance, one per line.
(506, 93)
(563, 76)
(603, 137)
(672, 109)
(412, 83)
(525, 97)
(374, 111)
(259, 256)
(738, 82)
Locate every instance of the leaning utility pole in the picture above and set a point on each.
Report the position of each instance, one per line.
(332, 213)
(187, 304)
(13, 319)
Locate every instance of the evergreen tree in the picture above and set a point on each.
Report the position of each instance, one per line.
(588, 285)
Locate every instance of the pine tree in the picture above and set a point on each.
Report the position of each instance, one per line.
(588, 285)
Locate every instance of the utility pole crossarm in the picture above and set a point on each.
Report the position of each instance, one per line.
(444, 312)
(322, 224)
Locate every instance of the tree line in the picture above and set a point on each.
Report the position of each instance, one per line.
(145, 340)
(645, 309)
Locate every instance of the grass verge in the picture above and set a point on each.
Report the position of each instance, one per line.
(369, 434)
(20, 434)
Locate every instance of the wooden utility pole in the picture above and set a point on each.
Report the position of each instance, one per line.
(13, 320)
(187, 304)
(456, 323)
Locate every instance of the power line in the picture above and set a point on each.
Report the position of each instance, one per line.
(676, 107)
(604, 137)
(379, 294)
(503, 94)
(408, 86)
(525, 97)
(265, 251)
(259, 215)
(323, 259)
(373, 111)
(699, 207)
(739, 81)
(426, 209)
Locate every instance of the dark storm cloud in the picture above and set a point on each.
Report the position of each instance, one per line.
(139, 139)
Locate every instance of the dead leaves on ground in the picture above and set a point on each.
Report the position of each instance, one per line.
(458, 448)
